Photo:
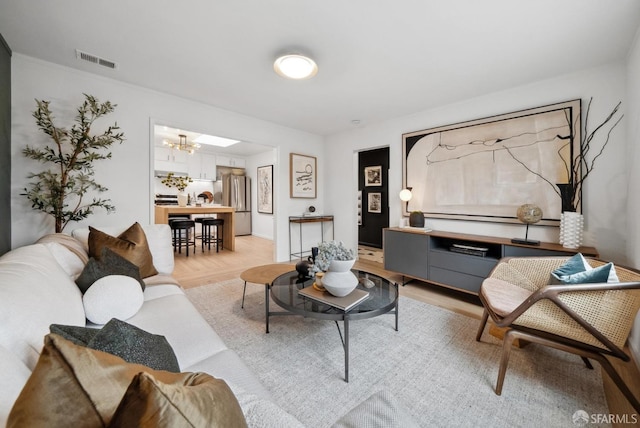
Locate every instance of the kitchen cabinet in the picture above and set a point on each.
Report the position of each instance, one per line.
(202, 166)
(230, 161)
(170, 160)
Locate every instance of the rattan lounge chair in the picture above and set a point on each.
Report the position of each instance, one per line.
(590, 320)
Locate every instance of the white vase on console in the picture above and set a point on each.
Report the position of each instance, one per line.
(571, 226)
(182, 199)
(339, 280)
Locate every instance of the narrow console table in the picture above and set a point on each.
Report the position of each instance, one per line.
(301, 220)
(455, 260)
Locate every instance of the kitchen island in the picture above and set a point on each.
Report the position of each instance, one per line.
(226, 213)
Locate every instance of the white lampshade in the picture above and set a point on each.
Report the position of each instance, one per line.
(405, 195)
(295, 66)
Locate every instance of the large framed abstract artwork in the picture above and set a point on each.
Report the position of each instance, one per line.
(485, 169)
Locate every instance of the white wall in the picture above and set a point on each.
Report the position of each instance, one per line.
(128, 174)
(633, 173)
(605, 190)
(262, 224)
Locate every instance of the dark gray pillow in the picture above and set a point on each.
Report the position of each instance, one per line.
(78, 335)
(124, 340)
(110, 263)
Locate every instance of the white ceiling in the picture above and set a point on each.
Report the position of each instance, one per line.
(377, 59)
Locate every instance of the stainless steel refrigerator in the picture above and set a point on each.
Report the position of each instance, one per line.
(236, 193)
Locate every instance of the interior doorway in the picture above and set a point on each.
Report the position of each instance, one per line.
(373, 186)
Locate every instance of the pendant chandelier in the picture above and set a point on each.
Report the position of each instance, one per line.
(182, 144)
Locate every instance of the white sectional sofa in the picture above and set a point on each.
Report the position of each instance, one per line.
(37, 289)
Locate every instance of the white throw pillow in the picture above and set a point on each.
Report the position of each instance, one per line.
(113, 296)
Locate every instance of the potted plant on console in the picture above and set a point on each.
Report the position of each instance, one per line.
(336, 261)
(179, 182)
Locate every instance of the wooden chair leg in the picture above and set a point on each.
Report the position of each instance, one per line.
(613, 374)
(587, 363)
(507, 342)
(483, 323)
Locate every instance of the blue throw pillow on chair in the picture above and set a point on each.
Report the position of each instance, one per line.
(577, 270)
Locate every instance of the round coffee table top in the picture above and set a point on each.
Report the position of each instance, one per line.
(266, 274)
(383, 296)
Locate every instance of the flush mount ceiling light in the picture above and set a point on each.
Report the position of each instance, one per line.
(295, 66)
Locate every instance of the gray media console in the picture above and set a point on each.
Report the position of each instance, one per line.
(455, 260)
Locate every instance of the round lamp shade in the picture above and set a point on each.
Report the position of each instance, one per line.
(405, 195)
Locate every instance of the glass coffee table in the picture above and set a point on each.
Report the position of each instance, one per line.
(382, 299)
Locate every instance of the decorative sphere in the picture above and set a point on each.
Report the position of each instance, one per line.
(529, 213)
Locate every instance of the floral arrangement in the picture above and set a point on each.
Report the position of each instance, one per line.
(179, 182)
(328, 251)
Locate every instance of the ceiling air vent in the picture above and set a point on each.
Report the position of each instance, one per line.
(96, 59)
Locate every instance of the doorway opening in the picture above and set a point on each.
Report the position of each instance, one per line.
(373, 190)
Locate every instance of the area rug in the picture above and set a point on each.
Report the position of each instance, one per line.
(371, 254)
(432, 365)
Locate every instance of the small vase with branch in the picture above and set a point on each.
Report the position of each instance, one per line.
(582, 165)
(577, 169)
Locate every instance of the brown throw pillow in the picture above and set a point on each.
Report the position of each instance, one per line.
(130, 244)
(202, 401)
(73, 385)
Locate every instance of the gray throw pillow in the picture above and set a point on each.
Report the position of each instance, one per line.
(110, 263)
(123, 340)
(78, 335)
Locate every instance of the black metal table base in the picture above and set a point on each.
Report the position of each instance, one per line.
(344, 339)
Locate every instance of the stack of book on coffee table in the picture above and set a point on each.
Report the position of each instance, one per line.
(344, 303)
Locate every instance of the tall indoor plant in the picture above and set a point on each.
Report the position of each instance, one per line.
(60, 190)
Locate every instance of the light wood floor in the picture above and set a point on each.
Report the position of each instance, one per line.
(210, 267)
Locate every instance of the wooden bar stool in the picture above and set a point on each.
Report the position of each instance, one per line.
(184, 232)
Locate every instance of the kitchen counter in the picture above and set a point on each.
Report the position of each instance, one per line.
(226, 213)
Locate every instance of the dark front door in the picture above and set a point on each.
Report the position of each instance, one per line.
(373, 215)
